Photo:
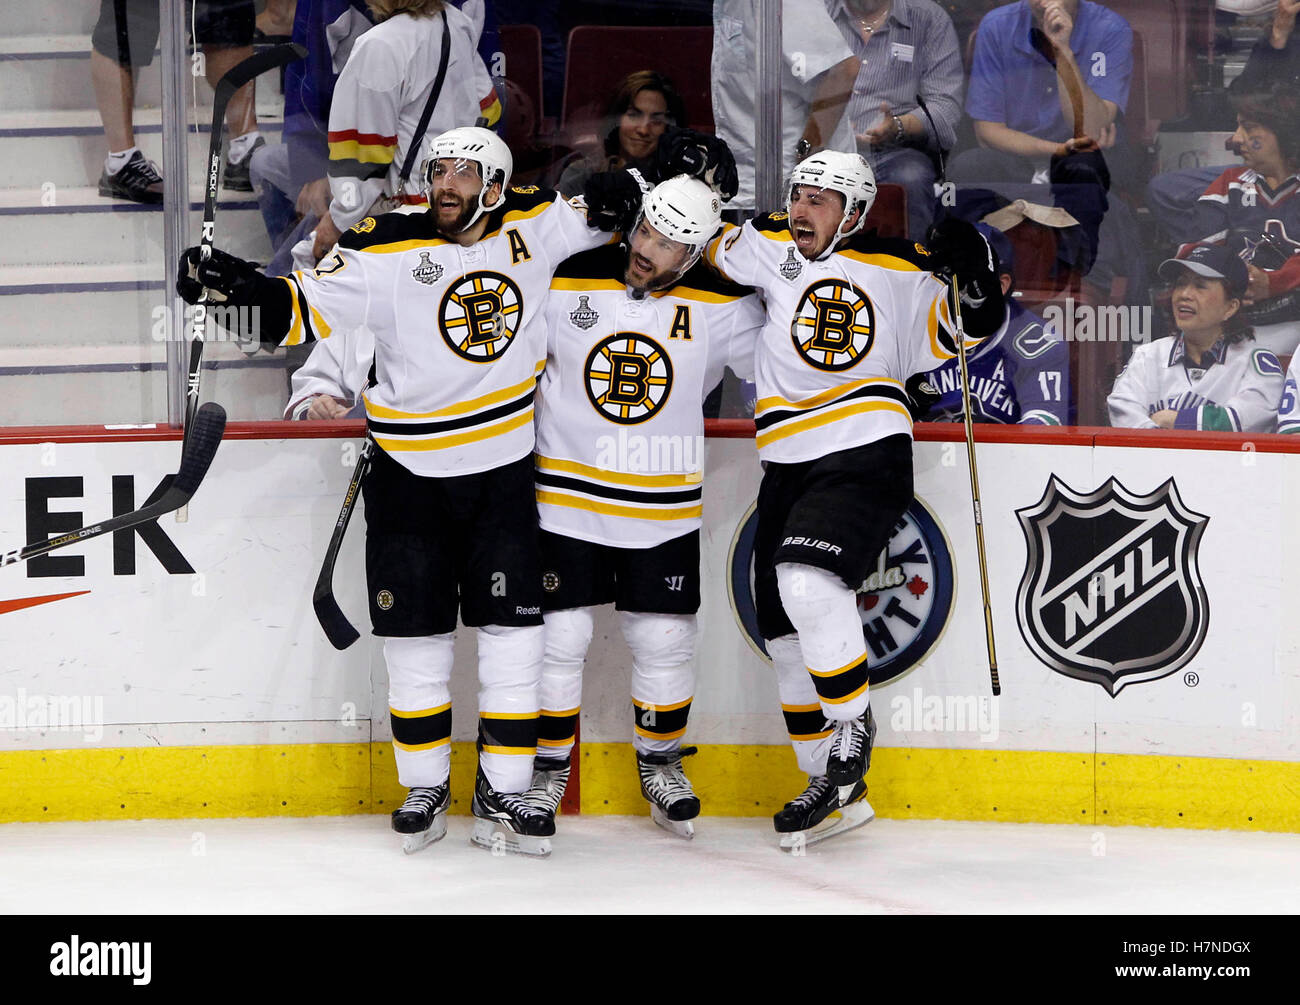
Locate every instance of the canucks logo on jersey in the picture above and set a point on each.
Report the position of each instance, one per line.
(628, 377)
(834, 325)
(479, 316)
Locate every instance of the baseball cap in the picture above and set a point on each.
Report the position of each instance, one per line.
(1213, 261)
(1001, 246)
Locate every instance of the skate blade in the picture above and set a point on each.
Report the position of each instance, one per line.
(501, 841)
(846, 819)
(411, 843)
(678, 828)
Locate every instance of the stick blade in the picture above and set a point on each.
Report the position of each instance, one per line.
(258, 63)
(200, 446)
(338, 629)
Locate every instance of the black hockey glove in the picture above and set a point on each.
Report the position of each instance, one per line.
(228, 280)
(613, 200)
(922, 395)
(233, 282)
(699, 155)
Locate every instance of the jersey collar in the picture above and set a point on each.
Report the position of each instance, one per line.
(1215, 354)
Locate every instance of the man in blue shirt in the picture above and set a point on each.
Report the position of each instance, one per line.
(1047, 77)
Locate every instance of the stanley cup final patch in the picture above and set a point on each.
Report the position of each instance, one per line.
(584, 315)
(426, 272)
(1112, 591)
(792, 266)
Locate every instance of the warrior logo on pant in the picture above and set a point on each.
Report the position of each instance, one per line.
(834, 325)
(479, 316)
(629, 377)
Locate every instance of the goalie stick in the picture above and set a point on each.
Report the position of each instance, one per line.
(235, 78)
(331, 617)
(196, 456)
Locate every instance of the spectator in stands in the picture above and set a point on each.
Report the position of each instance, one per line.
(1254, 211)
(905, 48)
(291, 177)
(123, 41)
(645, 105)
(379, 99)
(817, 74)
(1274, 60)
(1049, 83)
(1049, 79)
(1020, 374)
(1211, 375)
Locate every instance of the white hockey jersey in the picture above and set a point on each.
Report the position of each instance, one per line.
(380, 96)
(459, 332)
(1288, 412)
(620, 430)
(1231, 388)
(338, 366)
(843, 334)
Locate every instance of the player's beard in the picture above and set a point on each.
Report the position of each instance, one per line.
(460, 221)
(642, 283)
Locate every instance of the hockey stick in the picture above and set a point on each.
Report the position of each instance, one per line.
(232, 81)
(331, 617)
(209, 424)
(975, 486)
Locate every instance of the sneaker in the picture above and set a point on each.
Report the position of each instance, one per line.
(850, 753)
(138, 180)
(236, 178)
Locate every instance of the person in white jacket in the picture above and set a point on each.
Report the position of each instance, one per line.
(1211, 375)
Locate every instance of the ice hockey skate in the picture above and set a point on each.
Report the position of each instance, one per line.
(422, 818)
(509, 822)
(850, 752)
(821, 811)
(673, 803)
(550, 779)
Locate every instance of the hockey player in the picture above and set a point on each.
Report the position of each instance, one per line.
(1019, 374)
(453, 298)
(1210, 375)
(1288, 411)
(639, 335)
(849, 318)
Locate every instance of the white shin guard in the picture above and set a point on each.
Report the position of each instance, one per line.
(663, 677)
(419, 703)
(804, 719)
(825, 614)
(510, 677)
(568, 637)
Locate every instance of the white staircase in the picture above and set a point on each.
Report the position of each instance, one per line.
(83, 281)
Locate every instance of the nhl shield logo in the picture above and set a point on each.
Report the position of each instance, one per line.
(426, 272)
(1112, 592)
(791, 267)
(583, 316)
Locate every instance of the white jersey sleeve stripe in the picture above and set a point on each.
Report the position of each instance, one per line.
(833, 415)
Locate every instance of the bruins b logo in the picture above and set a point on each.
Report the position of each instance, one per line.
(479, 316)
(834, 325)
(628, 377)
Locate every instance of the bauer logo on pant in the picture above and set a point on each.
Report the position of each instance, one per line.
(384, 600)
(905, 601)
(479, 316)
(629, 377)
(834, 325)
(1112, 592)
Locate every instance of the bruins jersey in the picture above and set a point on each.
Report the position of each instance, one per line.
(843, 333)
(458, 331)
(620, 427)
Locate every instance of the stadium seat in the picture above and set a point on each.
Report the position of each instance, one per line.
(600, 56)
(889, 212)
(522, 46)
(1163, 27)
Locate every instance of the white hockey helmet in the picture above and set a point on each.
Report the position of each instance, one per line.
(685, 210)
(482, 146)
(847, 174)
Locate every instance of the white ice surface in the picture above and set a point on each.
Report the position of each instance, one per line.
(626, 864)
